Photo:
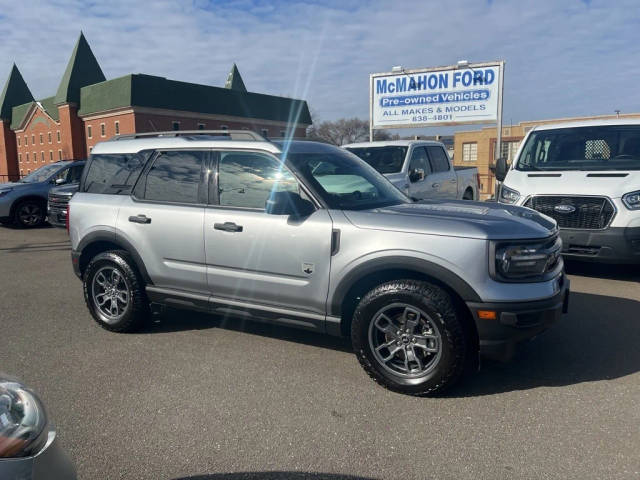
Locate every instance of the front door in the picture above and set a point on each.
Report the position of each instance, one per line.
(164, 219)
(259, 259)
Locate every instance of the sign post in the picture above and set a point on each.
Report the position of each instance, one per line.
(467, 93)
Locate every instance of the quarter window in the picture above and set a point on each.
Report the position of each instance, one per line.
(174, 177)
(246, 179)
(470, 152)
(438, 159)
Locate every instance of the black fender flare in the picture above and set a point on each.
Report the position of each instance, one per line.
(111, 237)
(418, 265)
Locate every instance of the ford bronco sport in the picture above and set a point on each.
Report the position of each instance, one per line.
(308, 235)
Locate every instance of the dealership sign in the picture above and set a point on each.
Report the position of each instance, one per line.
(469, 93)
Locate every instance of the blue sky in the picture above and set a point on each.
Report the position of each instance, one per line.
(564, 58)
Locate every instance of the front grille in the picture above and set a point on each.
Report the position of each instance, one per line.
(590, 213)
(58, 202)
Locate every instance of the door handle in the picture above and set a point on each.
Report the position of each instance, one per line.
(227, 227)
(139, 219)
(436, 185)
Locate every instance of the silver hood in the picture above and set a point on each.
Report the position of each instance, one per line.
(457, 218)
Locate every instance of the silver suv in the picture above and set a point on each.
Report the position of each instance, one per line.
(308, 235)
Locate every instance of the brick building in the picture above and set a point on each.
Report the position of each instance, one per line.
(477, 147)
(87, 108)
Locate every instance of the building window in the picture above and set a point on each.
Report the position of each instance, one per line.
(470, 152)
(42, 157)
(282, 133)
(90, 149)
(21, 172)
(508, 150)
(41, 139)
(59, 154)
(27, 161)
(18, 141)
(265, 132)
(58, 135)
(51, 155)
(28, 171)
(117, 127)
(89, 132)
(201, 126)
(224, 127)
(49, 137)
(103, 132)
(19, 158)
(33, 139)
(175, 126)
(26, 140)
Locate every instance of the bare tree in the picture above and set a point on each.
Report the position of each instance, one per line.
(343, 131)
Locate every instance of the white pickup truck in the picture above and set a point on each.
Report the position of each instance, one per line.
(585, 175)
(422, 169)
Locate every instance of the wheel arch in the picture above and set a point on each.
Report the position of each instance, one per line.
(375, 272)
(102, 241)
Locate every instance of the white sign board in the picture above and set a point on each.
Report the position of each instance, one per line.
(437, 96)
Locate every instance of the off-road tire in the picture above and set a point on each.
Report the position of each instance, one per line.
(137, 311)
(438, 304)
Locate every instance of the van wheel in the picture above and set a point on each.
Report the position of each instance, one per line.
(409, 338)
(114, 292)
(30, 213)
(468, 194)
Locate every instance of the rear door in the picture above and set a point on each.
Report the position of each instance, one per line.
(443, 179)
(164, 219)
(259, 259)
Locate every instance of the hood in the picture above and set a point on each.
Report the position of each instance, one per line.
(457, 218)
(65, 189)
(612, 184)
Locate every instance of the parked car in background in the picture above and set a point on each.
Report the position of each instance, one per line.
(586, 176)
(421, 169)
(29, 445)
(308, 235)
(57, 204)
(24, 202)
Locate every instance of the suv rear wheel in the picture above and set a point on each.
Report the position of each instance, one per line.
(30, 213)
(409, 338)
(114, 292)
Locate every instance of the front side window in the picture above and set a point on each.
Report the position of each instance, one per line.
(174, 177)
(113, 173)
(419, 162)
(247, 179)
(384, 159)
(610, 147)
(438, 159)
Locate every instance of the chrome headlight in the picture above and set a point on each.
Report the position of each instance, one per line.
(526, 261)
(631, 200)
(508, 195)
(23, 421)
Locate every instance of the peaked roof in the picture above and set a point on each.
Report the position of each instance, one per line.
(234, 80)
(21, 112)
(15, 92)
(82, 70)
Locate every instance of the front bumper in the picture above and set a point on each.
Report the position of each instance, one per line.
(612, 245)
(57, 217)
(51, 463)
(516, 322)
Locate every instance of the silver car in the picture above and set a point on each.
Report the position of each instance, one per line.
(308, 235)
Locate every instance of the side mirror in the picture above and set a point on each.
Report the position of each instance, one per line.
(416, 175)
(60, 181)
(288, 203)
(501, 169)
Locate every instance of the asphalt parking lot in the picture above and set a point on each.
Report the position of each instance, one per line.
(204, 398)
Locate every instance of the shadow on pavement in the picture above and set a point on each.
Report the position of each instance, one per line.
(597, 340)
(274, 476)
(38, 247)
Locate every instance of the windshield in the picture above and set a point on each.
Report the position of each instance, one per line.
(384, 159)
(582, 148)
(41, 174)
(345, 182)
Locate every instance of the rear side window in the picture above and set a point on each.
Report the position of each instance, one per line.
(113, 173)
(174, 177)
(438, 159)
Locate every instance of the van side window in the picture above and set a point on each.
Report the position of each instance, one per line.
(113, 173)
(438, 159)
(174, 177)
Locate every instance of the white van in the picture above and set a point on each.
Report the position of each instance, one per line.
(585, 175)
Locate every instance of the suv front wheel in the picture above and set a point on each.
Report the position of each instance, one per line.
(114, 292)
(409, 338)
(30, 213)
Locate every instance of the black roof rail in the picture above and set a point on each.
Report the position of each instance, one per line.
(232, 134)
